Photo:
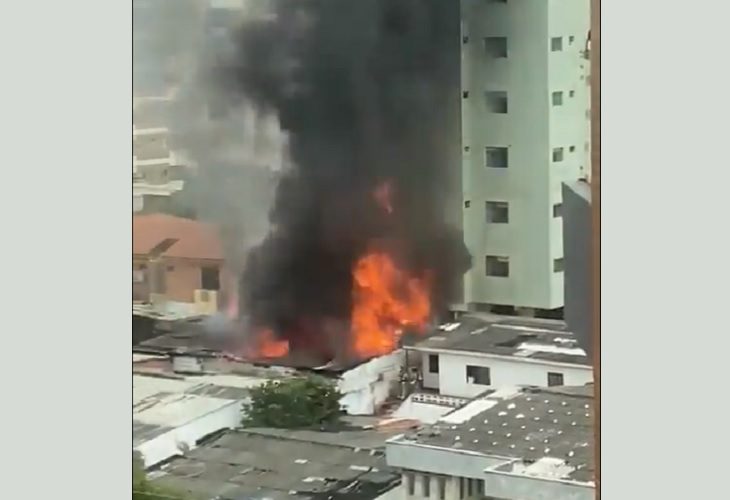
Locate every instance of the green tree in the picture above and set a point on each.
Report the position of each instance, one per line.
(299, 402)
(143, 489)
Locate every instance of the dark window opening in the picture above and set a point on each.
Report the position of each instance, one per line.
(556, 44)
(497, 266)
(557, 98)
(496, 157)
(461, 487)
(467, 204)
(469, 486)
(465, 94)
(558, 265)
(555, 379)
(558, 210)
(433, 363)
(480, 375)
(442, 488)
(497, 212)
(209, 278)
(558, 154)
(496, 102)
(410, 480)
(496, 46)
(426, 486)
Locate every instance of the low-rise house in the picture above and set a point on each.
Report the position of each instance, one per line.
(508, 444)
(177, 260)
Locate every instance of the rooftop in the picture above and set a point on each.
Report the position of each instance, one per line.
(171, 236)
(545, 433)
(537, 339)
(282, 465)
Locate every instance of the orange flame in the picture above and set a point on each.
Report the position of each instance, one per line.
(266, 345)
(384, 195)
(385, 300)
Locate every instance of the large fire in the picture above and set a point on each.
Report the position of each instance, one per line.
(385, 302)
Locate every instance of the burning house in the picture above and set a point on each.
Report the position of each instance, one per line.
(357, 249)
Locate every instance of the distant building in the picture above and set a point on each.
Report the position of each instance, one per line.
(510, 444)
(524, 126)
(475, 353)
(176, 260)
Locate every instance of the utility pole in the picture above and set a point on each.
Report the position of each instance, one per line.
(595, 75)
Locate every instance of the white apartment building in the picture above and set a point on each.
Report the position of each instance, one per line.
(525, 131)
(512, 444)
(465, 358)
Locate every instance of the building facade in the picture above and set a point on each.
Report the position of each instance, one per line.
(468, 357)
(525, 131)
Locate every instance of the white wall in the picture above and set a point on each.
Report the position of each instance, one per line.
(504, 372)
(166, 445)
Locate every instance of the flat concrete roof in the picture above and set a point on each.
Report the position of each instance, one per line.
(549, 431)
(251, 464)
(537, 339)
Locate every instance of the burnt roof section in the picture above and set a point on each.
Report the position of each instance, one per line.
(191, 337)
(547, 340)
(534, 424)
(250, 465)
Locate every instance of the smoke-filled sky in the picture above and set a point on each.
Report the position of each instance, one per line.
(316, 105)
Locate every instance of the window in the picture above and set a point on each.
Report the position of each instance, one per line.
(571, 93)
(571, 39)
(467, 204)
(479, 375)
(497, 266)
(410, 480)
(433, 363)
(556, 44)
(558, 265)
(558, 154)
(469, 487)
(461, 487)
(465, 94)
(496, 101)
(558, 210)
(480, 487)
(571, 149)
(496, 46)
(426, 486)
(497, 212)
(555, 379)
(465, 40)
(497, 157)
(467, 149)
(557, 98)
(442, 488)
(209, 278)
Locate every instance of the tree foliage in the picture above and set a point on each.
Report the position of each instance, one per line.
(310, 401)
(143, 489)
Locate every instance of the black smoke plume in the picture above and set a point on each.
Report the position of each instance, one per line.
(367, 91)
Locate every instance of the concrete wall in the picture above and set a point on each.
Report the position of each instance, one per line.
(531, 128)
(577, 241)
(182, 278)
(167, 445)
(504, 372)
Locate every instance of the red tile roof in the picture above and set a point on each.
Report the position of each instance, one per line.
(193, 239)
